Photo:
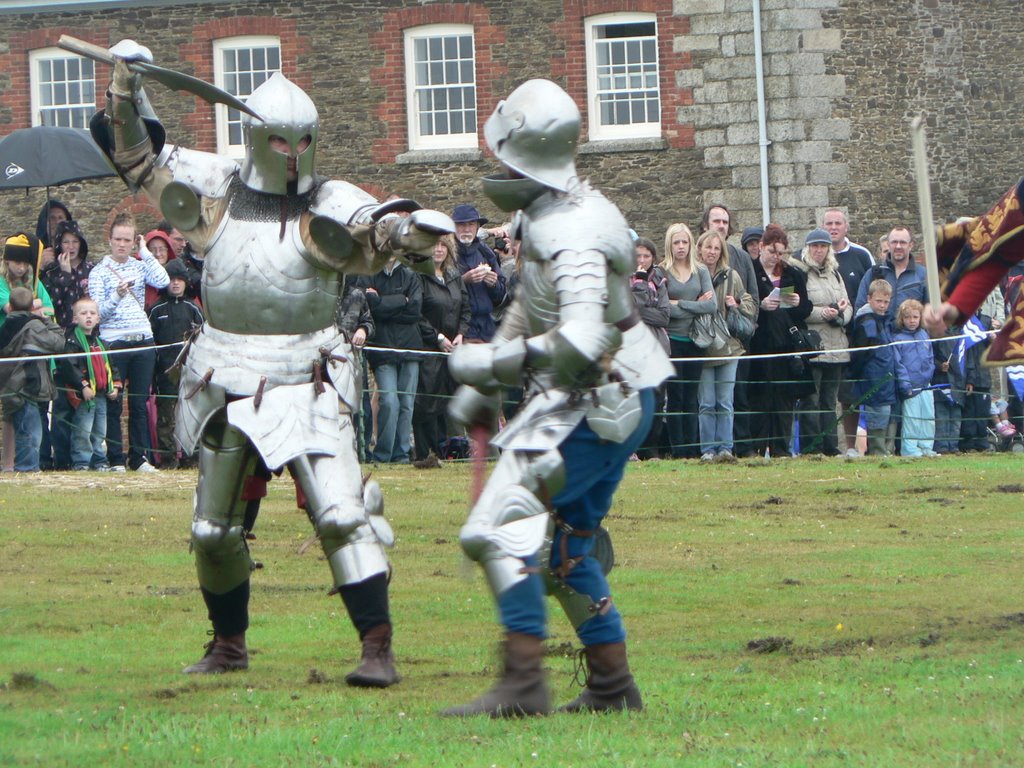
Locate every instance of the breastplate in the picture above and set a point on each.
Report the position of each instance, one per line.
(255, 282)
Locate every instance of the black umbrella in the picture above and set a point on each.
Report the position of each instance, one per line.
(46, 156)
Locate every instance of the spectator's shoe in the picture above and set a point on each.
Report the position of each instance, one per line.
(707, 458)
(1006, 429)
(145, 466)
(930, 454)
(852, 453)
(117, 468)
(725, 457)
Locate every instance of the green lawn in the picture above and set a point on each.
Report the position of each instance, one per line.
(891, 593)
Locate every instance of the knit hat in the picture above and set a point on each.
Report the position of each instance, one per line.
(176, 270)
(72, 228)
(818, 236)
(750, 233)
(24, 248)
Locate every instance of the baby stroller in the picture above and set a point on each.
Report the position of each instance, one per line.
(1002, 435)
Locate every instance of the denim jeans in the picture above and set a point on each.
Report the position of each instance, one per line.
(396, 383)
(683, 429)
(593, 469)
(135, 368)
(28, 434)
(88, 431)
(715, 411)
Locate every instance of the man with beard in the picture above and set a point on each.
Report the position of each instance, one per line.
(481, 272)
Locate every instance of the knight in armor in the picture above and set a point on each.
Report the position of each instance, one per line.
(267, 383)
(573, 338)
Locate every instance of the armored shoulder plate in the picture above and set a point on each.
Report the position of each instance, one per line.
(343, 202)
(204, 173)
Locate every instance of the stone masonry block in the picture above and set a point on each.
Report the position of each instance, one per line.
(689, 78)
(742, 133)
(726, 157)
(742, 89)
(820, 85)
(688, 43)
(727, 69)
(787, 130)
(697, 7)
(830, 130)
(795, 64)
(829, 173)
(823, 40)
(794, 19)
(712, 93)
(714, 137)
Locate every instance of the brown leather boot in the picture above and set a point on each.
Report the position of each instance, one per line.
(377, 667)
(522, 689)
(223, 654)
(610, 684)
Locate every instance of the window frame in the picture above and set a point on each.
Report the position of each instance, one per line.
(53, 53)
(418, 141)
(597, 131)
(221, 111)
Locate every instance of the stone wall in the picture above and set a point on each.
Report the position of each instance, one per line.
(843, 79)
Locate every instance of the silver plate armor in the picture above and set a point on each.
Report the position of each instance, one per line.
(571, 332)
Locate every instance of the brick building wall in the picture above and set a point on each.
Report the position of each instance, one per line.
(843, 79)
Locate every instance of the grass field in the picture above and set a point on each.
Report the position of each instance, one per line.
(797, 613)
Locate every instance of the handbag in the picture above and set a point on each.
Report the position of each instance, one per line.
(740, 326)
(710, 332)
(806, 341)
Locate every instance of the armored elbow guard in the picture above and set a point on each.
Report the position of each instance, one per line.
(578, 348)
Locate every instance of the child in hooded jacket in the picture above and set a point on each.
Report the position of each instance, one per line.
(917, 366)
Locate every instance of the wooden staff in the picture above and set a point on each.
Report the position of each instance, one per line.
(924, 200)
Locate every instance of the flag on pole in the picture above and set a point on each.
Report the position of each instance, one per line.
(1008, 347)
(974, 332)
(978, 251)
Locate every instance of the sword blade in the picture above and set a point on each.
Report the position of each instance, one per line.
(176, 81)
(924, 201)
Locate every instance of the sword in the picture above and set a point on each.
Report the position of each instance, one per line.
(176, 81)
(924, 201)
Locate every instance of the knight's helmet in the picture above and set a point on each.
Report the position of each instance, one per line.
(289, 113)
(535, 131)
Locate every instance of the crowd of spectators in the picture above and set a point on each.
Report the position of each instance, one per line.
(809, 340)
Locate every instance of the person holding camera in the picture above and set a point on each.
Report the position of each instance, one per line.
(118, 286)
(831, 312)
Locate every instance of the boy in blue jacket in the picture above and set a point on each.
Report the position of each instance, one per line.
(875, 371)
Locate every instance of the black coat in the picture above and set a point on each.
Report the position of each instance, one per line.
(780, 378)
(445, 310)
(395, 301)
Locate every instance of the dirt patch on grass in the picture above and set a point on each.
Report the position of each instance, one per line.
(27, 681)
(770, 644)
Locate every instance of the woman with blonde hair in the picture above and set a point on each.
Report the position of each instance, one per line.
(831, 312)
(444, 319)
(690, 294)
(718, 377)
